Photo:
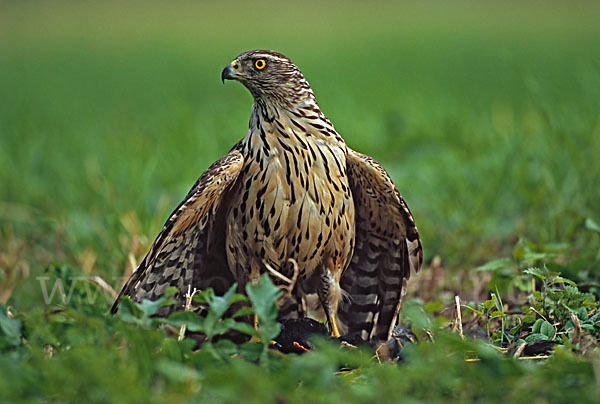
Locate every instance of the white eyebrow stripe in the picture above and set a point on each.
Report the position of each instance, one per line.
(271, 57)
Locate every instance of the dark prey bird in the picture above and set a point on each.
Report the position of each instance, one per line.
(291, 192)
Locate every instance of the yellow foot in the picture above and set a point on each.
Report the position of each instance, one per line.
(256, 339)
(335, 333)
(255, 323)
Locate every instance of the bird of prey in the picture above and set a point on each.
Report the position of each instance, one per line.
(291, 191)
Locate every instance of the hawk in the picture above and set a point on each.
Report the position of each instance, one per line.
(290, 191)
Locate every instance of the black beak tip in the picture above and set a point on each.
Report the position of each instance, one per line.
(226, 73)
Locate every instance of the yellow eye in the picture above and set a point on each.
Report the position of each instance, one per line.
(260, 64)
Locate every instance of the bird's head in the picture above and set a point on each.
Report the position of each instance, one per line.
(270, 76)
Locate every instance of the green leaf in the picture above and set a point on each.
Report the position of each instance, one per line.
(238, 298)
(582, 314)
(495, 265)
(498, 300)
(536, 337)
(222, 326)
(432, 307)
(488, 304)
(244, 311)
(535, 328)
(203, 296)
(226, 347)
(496, 314)
(191, 320)
(590, 224)
(541, 273)
(555, 294)
(560, 279)
(217, 305)
(149, 307)
(128, 311)
(176, 371)
(416, 315)
(10, 328)
(534, 256)
(472, 309)
(251, 351)
(547, 329)
(167, 302)
(264, 297)
(243, 328)
(170, 291)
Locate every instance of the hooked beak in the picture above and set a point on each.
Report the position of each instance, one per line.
(228, 73)
(232, 72)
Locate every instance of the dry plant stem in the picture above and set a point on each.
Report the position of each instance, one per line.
(510, 312)
(101, 283)
(278, 274)
(132, 263)
(188, 306)
(540, 314)
(520, 350)
(377, 354)
(498, 348)
(347, 345)
(291, 283)
(577, 325)
(533, 358)
(522, 358)
(294, 277)
(459, 316)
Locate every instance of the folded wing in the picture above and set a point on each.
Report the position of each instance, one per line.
(387, 247)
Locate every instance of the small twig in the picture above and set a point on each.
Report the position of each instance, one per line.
(577, 325)
(132, 263)
(533, 358)
(377, 353)
(294, 279)
(499, 348)
(459, 316)
(278, 274)
(520, 350)
(509, 312)
(101, 283)
(188, 306)
(540, 314)
(291, 283)
(347, 345)
(522, 358)
(588, 284)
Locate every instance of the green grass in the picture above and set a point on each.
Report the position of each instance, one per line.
(487, 116)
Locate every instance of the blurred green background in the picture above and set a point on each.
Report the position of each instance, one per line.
(486, 114)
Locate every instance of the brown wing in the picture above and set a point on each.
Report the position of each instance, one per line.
(190, 249)
(387, 246)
